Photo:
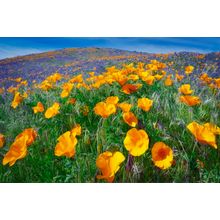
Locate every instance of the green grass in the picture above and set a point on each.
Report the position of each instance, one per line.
(166, 121)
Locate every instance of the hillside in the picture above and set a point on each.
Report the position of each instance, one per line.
(82, 60)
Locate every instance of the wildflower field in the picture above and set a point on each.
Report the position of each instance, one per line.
(105, 115)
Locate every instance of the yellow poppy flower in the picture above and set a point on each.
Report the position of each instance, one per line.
(52, 111)
(66, 145)
(104, 109)
(38, 108)
(203, 134)
(130, 119)
(145, 104)
(162, 155)
(2, 140)
(190, 100)
(109, 164)
(136, 142)
(17, 100)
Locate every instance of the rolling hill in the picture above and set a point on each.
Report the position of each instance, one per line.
(82, 60)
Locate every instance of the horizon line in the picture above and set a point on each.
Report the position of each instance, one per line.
(129, 50)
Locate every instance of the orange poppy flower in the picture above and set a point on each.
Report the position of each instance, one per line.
(72, 101)
(213, 128)
(2, 90)
(30, 133)
(67, 88)
(109, 164)
(162, 155)
(149, 79)
(152, 66)
(130, 119)
(17, 151)
(104, 109)
(204, 77)
(125, 107)
(17, 100)
(185, 89)
(133, 77)
(168, 81)
(158, 76)
(143, 75)
(46, 85)
(77, 130)
(38, 108)
(121, 79)
(2, 140)
(54, 77)
(189, 70)
(179, 77)
(66, 145)
(91, 73)
(203, 134)
(217, 82)
(130, 88)
(18, 79)
(136, 142)
(53, 110)
(112, 100)
(25, 83)
(77, 79)
(190, 100)
(145, 104)
(25, 95)
(12, 89)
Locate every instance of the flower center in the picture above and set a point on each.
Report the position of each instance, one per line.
(162, 153)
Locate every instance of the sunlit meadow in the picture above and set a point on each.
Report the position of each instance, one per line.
(104, 115)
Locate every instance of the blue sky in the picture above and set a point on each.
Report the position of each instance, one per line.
(13, 46)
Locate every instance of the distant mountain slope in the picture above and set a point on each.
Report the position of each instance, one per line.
(83, 60)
